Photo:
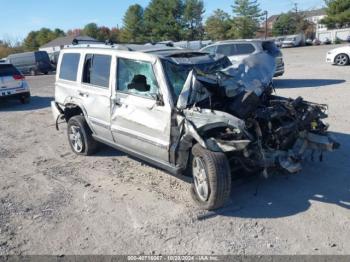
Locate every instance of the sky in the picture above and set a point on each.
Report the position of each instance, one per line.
(19, 17)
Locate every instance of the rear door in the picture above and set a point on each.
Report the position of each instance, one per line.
(95, 92)
(243, 50)
(10, 79)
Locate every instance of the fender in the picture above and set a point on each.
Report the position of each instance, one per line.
(77, 102)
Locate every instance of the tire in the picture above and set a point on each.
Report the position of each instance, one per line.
(46, 73)
(25, 99)
(80, 136)
(341, 60)
(217, 176)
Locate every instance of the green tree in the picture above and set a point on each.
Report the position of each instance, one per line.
(193, 19)
(30, 42)
(35, 39)
(133, 25)
(103, 33)
(285, 25)
(247, 18)
(338, 13)
(218, 25)
(115, 35)
(91, 30)
(163, 20)
(291, 23)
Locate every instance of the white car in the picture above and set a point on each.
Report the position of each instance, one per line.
(13, 84)
(339, 56)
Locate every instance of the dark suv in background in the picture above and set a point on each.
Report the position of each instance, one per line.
(31, 63)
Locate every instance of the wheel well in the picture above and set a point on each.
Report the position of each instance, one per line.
(72, 110)
(342, 54)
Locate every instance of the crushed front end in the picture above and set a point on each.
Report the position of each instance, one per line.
(234, 111)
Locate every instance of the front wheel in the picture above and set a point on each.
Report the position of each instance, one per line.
(341, 60)
(80, 136)
(211, 185)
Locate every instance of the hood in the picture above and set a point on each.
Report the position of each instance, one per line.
(340, 49)
(253, 73)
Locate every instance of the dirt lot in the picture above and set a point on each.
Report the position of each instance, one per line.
(54, 202)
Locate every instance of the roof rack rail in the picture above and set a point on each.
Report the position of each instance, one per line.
(79, 41)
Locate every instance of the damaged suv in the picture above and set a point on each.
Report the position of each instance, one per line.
(186, 112)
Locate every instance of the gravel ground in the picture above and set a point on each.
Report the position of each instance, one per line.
(54, 202)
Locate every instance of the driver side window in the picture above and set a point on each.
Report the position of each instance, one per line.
(136, 78)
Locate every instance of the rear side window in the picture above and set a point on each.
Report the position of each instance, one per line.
(97, 70)
(8, 70)
(69, 66)
(227, 50)
(244, 49)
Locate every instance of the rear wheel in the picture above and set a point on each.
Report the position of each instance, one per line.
(25, 99)
(80, 136)
(211, 185)
(341, 60)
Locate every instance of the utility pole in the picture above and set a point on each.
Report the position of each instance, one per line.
(296, 7)
(266, 14)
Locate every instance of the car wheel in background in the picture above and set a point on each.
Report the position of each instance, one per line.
(25, 99)
(80, 136)
(341, 60)
(211, 173)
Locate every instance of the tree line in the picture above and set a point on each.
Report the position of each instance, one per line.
(178, 20)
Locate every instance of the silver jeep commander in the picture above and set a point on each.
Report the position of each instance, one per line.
(186, 112)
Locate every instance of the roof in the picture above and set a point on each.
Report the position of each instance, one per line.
(241, 41)
(316, 12)
(177, 55)
(273, 18)
(66, 40)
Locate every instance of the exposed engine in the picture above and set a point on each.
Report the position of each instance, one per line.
(280, 130)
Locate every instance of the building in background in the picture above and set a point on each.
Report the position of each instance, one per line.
(55, 46)
(315, 17)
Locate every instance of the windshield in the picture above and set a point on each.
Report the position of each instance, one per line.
(178, 73)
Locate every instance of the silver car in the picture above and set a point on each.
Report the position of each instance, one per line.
(237, 50)
(187, 112)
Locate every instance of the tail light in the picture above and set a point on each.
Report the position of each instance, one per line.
(18, 77)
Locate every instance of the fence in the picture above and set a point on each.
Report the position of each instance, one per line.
(332, 35)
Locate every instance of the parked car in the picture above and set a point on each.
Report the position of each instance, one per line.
(309, 42)
(237, 50)
(292, 41)
(31, 62)
(2, 60)
(13, 84)
(278, 41)
(316, 42)
(183, 111)
(339, 56)
(326, 41)
(348, 39)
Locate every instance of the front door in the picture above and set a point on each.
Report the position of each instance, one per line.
(138, 122)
